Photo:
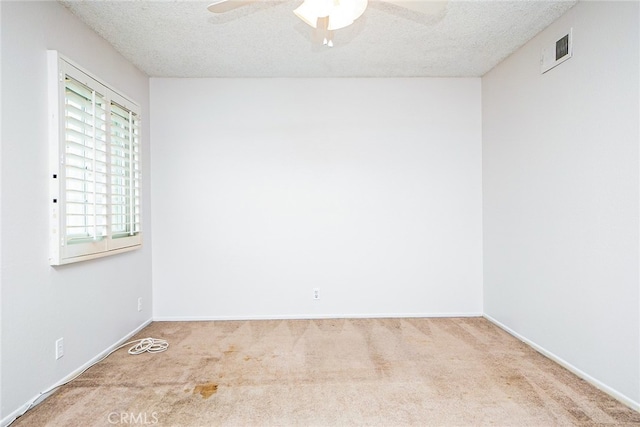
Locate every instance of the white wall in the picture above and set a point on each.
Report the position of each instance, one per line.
(561, 196)
(369, 189)
(1, 216)
(91, 304)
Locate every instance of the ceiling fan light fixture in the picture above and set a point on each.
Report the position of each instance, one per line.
(213, 6)
(340, 13)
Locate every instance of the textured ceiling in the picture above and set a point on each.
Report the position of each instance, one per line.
(265, 39)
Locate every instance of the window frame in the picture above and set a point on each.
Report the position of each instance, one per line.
(64, 249)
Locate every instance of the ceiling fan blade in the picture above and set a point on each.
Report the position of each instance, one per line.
(427, 7)
(222, 6)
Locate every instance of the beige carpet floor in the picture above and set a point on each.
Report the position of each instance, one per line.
(377, 372)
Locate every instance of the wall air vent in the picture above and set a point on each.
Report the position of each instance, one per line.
(557, 52)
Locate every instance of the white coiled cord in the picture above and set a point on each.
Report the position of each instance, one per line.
(148, 345)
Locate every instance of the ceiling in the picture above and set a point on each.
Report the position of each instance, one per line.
(265, 39)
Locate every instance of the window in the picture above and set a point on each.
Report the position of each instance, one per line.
(95, 166)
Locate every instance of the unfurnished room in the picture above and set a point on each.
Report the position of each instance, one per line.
(320, 213)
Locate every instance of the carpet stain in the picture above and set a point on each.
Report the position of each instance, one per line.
(206, 390)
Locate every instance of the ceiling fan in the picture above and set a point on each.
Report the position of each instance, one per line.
(327, 16)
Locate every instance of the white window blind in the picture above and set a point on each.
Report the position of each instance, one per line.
(125, 172)
(95, 166)
(85, 163)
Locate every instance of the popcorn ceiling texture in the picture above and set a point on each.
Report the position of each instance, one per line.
(265, 38)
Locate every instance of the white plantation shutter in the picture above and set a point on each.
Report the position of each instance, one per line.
(125, 172)
(85, 163)
(95, 165)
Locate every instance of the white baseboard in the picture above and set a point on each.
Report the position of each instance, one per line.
(598, 384)
(42, 396)
(311, 316)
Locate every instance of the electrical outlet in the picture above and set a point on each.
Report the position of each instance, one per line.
(316, 293)
(140, 304)
(59, 348)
